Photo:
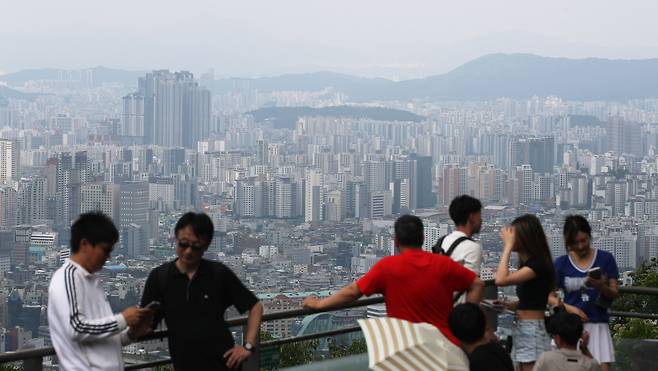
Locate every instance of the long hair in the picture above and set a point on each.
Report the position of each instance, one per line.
(530, 237)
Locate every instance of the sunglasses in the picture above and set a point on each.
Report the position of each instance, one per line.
(185, 245)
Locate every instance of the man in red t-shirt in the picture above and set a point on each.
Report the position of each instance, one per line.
(418, 286)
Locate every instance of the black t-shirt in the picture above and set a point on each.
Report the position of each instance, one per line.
(194, 311)
(490, 357)
(533, 294)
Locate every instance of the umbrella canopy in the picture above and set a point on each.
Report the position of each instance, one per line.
(395, 344)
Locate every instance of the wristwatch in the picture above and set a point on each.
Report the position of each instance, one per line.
(249, 346)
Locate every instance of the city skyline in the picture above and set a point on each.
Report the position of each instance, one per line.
(337, 119)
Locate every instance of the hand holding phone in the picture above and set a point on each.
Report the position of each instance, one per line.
(594, 273)
(154, 305)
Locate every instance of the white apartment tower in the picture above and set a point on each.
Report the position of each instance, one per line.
(9, 161)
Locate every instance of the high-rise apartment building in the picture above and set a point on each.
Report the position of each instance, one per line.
(283, 198)
(9, 161)
(335, 206)
(374, 173)
(245, 199)
(616, 196)
(356, 199)
(624, 137)
(422, 177)
(132, 119)
(452, 183)
(100, 197)
(161, 193)
(32, 198)
(134, 217)
(66, 173)
(538, 152)
(314, 196)
(8, 206)
(176, 110)
(380, 204)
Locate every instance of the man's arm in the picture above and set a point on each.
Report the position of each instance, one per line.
(238, 354)
(253, 322)
(475, 293)
(346, 295)
(134, 333)
(82, 328)
(152, 293)
(244, 300)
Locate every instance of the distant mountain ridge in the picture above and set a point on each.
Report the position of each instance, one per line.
(524, 75)
(286, 117)
(7, 92)
(492, 76)
(99, 75)
(489, 77)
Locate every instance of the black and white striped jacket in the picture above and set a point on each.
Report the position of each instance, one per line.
(84, 331)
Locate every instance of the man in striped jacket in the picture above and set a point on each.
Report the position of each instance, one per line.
(84, 331)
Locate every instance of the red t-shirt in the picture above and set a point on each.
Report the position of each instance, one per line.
(418, 286)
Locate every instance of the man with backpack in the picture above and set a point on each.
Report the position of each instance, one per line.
(466, 212)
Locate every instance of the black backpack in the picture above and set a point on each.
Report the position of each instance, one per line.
(436, 249)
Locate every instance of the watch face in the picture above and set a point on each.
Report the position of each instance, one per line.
(248, 346)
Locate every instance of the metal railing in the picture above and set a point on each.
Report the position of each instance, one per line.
(33, 358)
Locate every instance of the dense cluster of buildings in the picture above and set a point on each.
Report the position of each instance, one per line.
(305, 209)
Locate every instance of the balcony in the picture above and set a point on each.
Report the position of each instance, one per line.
(631, 353)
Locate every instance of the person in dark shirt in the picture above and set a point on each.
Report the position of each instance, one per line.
(534, 281)
(194, 294)
(467, 322)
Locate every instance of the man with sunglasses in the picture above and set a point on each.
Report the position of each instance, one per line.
(193, 294)
(84, 331)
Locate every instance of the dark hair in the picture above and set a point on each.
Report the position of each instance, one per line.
(409, 231)
(467, 322)
(94, 227)
(572, 225)
(461, 207)
(568, 325)
(201, 226)
(531, 238)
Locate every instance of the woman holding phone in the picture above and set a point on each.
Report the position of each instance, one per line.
(588, 278)
(534, 280)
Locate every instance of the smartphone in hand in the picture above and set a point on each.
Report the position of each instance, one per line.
(154, 305)
(595, 273)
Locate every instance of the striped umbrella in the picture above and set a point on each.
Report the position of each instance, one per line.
(395, 344)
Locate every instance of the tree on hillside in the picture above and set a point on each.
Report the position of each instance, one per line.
(629, 333)
(358, 346)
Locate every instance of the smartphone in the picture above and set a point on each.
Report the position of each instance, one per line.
(154, 305)
(595, 273)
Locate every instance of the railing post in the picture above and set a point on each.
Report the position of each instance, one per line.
(33, 364)
(253, 362)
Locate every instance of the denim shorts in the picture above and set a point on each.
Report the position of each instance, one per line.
(529, 340)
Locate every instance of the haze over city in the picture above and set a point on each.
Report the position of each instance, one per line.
(371, 38)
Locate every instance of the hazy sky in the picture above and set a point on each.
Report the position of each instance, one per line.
(405, 38)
